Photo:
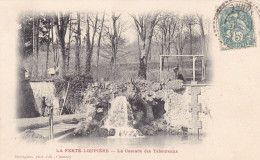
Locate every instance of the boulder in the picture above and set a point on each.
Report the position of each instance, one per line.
(111, 132)
(149, 114)
(175, 85)
(147, 130)
(154, 87)
(103, 132)
(159, 124)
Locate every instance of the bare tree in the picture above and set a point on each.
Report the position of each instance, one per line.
(78, 45)
(48, 43)
(203, 46)
(69, 44)
(99, 41)
(114, 42)
(145, 27)
(166, 33)
(91, 30)
(36, 22)
(61, 21)
(190, 20)
(181, 39)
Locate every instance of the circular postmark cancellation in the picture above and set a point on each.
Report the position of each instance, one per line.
(233, 24)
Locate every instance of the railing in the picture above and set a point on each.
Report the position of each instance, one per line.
(194, 57)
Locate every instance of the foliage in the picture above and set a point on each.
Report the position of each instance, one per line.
(77, 87)
(59, 86)
(78, 83)
(26, 34)
(27, 21)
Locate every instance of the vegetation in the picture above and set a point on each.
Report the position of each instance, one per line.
(58, 45)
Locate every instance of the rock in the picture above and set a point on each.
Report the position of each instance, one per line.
(172, 131)
(81, 128)
(149, 114)
(147, 130)
(139, 116)
(154, 87)
(175, 85)
(86, 127)
(159, 124)
(160, 94)
(111, 132)
(103, 132)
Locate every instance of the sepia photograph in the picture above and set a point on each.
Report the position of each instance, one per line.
(130, 80)
(85, 75)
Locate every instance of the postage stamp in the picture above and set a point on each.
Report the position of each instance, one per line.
(235, 25)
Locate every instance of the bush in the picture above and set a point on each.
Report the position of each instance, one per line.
(77, 86)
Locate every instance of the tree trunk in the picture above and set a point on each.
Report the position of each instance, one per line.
(98, 45)
(203, 48)
(78, 45)
(61, 53)
(88, 62)
(142, 68)
(162, 50)
(190, 40)
(89, 44)
(47, 58)
(145, 27)
(53, 47)
(61, 63)
(48, 49)
(162, 63)
(37, 47)
(70, 34)
(33, 55)
(61, 22)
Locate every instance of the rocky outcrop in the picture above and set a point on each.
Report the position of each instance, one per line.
(156, 107)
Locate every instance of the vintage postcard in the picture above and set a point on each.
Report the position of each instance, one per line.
(170, 79)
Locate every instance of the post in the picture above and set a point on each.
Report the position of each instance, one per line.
(65, 97)
(193, 63)
(51, 123)
(203, 69)
(160, 67)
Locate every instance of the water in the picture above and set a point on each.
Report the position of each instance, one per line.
(161, 141)
(120, 118)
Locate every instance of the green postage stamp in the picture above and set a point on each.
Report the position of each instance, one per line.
(235, 25)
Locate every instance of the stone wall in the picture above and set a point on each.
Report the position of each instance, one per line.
(177, 106)
(46, 89)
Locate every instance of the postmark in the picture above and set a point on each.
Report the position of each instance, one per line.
(234, 25)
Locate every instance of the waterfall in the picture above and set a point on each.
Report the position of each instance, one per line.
(120, 118)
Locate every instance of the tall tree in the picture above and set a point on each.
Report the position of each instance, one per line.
(78, 45)
(166, 33)
(115, 42)
(69, 44)
(26, 33)
(99, 41)
(203, 46)
(145, 27)
(48, 44)
(190, 20)
(181, 40)
(36, 23)
(91, 30)
(61, 21)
